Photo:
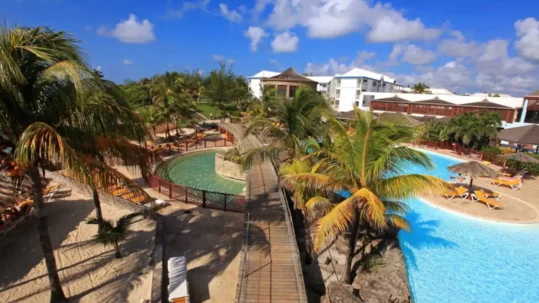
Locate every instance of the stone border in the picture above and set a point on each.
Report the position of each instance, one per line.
(229, 169)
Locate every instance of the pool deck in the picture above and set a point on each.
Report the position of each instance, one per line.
(520, 206)
(270, 269)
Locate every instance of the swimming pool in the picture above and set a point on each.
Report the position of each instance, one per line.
(454, 258)
(197, 170)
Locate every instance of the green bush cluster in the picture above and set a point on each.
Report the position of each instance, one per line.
(491, 149)
(233, 155)
(518, 166)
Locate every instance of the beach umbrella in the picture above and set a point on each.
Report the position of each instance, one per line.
(521, 157)
(473, 169)
(522, 135)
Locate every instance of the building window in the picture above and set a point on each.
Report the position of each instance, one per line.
(356, 103)
(375, 84)
(338, 93)
(365, 80)
(338, 82)
(364, 90)
(358, 94)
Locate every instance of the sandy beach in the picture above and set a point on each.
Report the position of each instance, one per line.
(88, 271)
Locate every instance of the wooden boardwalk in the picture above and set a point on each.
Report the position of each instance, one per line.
(270, 270)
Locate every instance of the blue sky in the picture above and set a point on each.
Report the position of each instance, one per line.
(465, 46)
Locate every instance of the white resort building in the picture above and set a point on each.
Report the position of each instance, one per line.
(380, 93)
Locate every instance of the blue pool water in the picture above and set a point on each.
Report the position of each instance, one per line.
(453, 258)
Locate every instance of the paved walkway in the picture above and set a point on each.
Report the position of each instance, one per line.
(270, 270)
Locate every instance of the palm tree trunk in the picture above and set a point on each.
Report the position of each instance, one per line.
(118, 255)
(98, 213)
(57, 294)
(351, 250)
(168, 131)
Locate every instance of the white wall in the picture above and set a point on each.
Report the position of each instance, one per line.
(254, 86)
(347, 97)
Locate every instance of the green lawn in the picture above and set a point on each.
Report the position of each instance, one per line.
(207, 109)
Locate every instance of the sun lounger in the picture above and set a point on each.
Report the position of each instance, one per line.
(493, 194)
(178, 287)
(461, 191)
(49, 192)
(478, 196)
(514, 183)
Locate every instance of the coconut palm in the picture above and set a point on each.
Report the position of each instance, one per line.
(366, 164)
(421, 88)
(291, 121)
(474, 130)
(114, 233)
(54, 109)
(169, 94)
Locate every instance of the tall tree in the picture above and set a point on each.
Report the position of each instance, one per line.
(421, 88)
(291, 120)
(54, 107)
(358, 179)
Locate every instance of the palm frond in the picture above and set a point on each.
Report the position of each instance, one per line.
(258, 155)
(408, 186)
(42, 142)
(337, 221)
(318, 203)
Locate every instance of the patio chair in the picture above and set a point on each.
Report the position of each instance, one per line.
(460, 191)
(478, 196)
(513, 183)
(493, 194)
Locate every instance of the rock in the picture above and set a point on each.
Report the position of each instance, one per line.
(340, 293)
(388, 283)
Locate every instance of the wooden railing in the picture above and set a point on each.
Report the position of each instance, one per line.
(203, 198)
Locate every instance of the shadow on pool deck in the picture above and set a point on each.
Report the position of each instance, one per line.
(211, 241)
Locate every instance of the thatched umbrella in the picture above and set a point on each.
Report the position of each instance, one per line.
(528, 134)
(473, 169)
(521, 157)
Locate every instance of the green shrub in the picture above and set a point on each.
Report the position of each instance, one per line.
(518, 166)
(491, 149)
(233, 155)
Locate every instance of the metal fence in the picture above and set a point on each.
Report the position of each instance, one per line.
(203, 198)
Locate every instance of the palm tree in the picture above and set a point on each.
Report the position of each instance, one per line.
(55, 110)
(291, 121)
(475, 130)
(114, 233)
(420, 88)
(366, 163)
(169, 94)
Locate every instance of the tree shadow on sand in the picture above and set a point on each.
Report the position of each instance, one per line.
(20, 251)
(210, 240)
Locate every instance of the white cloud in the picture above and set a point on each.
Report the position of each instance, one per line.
(528, 42)
(130, 31)
(335, 67)
(127, 62)
(395, 53)
(453, 75)
(98, 68)
(363, 56)
(458, 47)
(333, 18)
(230, 15)
(394, 27)
(186, 7)
(256, 34)
(494, 49)
(286, 42)
(417, 56)
(222, 59)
